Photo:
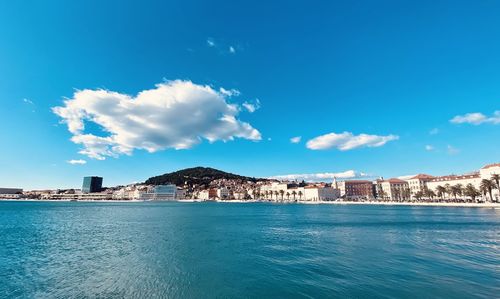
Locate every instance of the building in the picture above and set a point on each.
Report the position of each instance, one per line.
(161, 192)
(207, 194)
(418, 183)
(5, 191)
(316, 193)
(451, 180)
(394, 189)
(487, 172)
(223, 193)
(355, 189)
(92, 184)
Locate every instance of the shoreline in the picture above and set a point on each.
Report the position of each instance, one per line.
(380, 203)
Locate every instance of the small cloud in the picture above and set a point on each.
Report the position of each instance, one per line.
(77, 162)
(434, 131)
(210, 42)
(347, 141)
(295, 139)
(27, 101)
(252, 107)
(232, 50)
(269, 139)
(476, 118)
(324, 176)
(230, 92)
(429, 148)
(452, 150)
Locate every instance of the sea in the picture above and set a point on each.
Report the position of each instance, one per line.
(247, 250)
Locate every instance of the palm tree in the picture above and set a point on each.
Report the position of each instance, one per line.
(448, 189)
(496, 179)
(419, 195)
(472, 192)
(276, 193)
(294, 193)
(431, 194)
(300, 194)
(441, 191)
(486, 187)
(382, 194)
(288, 196)
(266, 193)
(282, 192)
(456, 190)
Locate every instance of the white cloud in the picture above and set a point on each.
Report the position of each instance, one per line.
(346, 141)
(295, 139)
(452, 150)
(325, 176)
(476, 118)
(175, 114)
(232, 49)
(434, 131)
(229, 92)
(429, 147)
(28, 101)
(77, 162)
(252, 107)
(210, 42)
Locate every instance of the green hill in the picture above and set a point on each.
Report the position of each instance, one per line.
(196, 176)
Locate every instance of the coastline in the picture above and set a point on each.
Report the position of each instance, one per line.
(381, 203)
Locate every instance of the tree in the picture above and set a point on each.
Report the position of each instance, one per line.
(282, 192)
(276, 193)
(486, 187)
(419, 195)
(300, 194)
(441, 191)
(456, 190)
(496, 179)
(288, 196)
(448, 190)
(294, 193)
(381, 194)
(471, 191)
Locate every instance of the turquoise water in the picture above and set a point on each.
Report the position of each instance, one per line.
(217, 250)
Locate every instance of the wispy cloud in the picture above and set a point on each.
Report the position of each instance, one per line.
(452, 150)
(252, 107)
(210, 42)
(295, 139)
(476, 118)
(347, 141)
(232, 49)
(28, 101)
(434, 131)
(77, 162)
(175, 114)
(324, 176)
(429, 147)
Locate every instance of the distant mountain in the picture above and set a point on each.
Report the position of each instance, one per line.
(196, 175)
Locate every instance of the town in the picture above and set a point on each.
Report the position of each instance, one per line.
(476, 187)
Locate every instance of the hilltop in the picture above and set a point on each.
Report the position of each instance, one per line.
(197, 176)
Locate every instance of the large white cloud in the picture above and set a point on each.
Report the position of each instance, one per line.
(476, 118)
(175, 114)
(346, 141)
(324, 176)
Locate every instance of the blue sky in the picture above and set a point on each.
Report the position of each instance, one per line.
(407, 74)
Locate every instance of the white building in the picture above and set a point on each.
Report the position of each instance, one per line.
(487, 173)
(473, 178)
(223, 193)
(394, 188)
(314, 193)
(162, 192)
(418, 183)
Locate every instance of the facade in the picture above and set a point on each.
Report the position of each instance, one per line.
(92, 184)
(314, 193)
(11, 193)
(356, 189)
(207, 194)
(487, 172)
(223, 193)
(449, 180)
(418, 183)
(394, 189)
(161, 192)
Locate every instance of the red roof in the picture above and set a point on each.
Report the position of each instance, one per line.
(491, 165)
(395, 180)
(422, 176)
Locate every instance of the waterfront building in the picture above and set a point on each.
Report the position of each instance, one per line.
(92, 184)
(355, 189)
(318, 193)
(418, 183)
(394, 189)
(161, 192)
(223, 193)
(11, 191)
(487, 172)
(452, 180)
(207, 194)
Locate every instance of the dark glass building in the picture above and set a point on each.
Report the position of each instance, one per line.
(92, 184)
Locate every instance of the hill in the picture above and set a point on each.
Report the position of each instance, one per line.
(196, 175)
